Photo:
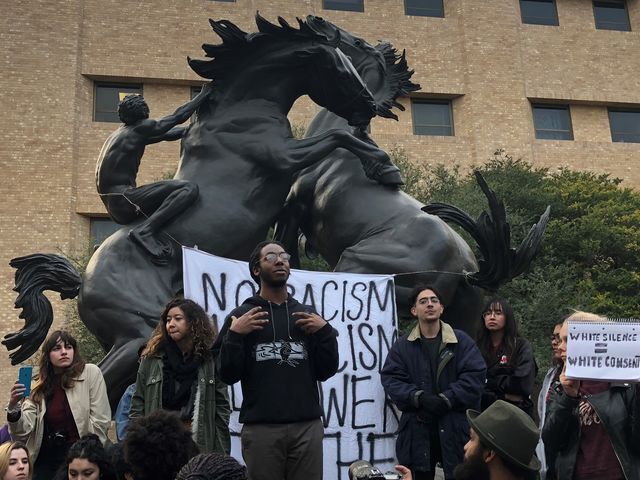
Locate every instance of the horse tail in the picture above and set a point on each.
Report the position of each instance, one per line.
(34, 274)
(499, 262)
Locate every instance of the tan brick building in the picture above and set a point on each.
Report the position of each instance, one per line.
(490, 62)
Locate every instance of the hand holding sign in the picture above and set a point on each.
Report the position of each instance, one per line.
(570, 386)
(309, 322)
(254, 319)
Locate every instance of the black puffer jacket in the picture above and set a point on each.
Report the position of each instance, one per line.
(619, 411)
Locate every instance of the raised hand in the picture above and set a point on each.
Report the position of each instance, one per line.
(309, 322)
(571, 387)
(17, 394)
(254, 319)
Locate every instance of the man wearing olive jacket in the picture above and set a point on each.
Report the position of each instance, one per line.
(278, 349)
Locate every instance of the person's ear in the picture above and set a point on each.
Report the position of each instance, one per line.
(488, 456)
(413, 311)
(256, 269)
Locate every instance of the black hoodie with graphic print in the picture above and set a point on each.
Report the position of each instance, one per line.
(278, 366)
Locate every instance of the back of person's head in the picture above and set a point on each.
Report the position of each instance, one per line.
(158, 446)
(90, 448)
(213, 466)
(6, 450)
(120, 466)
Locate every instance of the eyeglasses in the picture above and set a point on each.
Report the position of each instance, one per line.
(433, 300)
(272, 257)
(554, 337)
(492, 312)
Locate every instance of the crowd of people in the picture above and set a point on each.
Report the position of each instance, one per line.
(466, 403)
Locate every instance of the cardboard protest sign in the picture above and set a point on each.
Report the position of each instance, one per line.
(607, 350)
(359, 422)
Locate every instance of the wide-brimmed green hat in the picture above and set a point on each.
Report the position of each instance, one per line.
(509, 431)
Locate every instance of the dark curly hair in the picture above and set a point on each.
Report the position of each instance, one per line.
(158, 446)
(200, 328)
(46, 376)
(213, 466)
(132, 109)
(90, 448)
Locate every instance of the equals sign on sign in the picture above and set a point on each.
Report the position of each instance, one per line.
(600, 348)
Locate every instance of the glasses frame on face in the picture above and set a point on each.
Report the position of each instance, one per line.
(271, 257)
(555, 337)
(492, 311)
(433, 300)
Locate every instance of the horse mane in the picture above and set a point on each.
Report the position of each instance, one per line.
(236, 42)
(397, 80)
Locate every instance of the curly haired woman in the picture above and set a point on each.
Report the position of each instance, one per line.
(177, 373)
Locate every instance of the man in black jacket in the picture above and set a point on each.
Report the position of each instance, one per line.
(278, 349)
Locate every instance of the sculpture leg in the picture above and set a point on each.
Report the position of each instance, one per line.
(120, 367)
(376, 163)
(159, 202)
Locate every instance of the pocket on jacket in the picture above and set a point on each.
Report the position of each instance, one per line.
(153, 380)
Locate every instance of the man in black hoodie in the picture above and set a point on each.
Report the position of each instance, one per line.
(278, 349)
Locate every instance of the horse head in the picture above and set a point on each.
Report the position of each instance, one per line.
(307, 59)
(384, 71)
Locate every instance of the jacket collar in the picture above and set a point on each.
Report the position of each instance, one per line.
(83, 375)
(448, 335)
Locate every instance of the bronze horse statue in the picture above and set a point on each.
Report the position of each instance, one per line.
(359, 226)
(241, 154)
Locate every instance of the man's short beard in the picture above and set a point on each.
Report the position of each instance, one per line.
(472, 468)
(270, 282)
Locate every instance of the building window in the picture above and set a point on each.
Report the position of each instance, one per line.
(346, 5)
(625, 125)
(424, 8)
(611, 15)
(432, 117)
(195, 91)
(552, 122)
(101, 228)
(107, 97)
(539, 12)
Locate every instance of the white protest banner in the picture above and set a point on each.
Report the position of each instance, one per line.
(360, 424)
(606, 350)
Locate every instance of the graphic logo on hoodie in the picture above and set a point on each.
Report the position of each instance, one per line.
(290, 353)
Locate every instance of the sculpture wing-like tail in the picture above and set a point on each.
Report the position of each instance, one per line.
(499, 262)
(34, 274)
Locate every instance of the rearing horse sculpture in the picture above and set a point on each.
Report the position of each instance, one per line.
(359, 226)
(241, 153)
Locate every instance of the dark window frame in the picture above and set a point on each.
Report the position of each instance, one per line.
(336, 5)
(552, 106)
(416, 10)
(101, 228)
(530, 20)
(111, 116)
(432, 101)
(600, 25)
(619, 137)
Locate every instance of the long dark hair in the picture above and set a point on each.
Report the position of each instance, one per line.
(46, 376)
(200, 328)
(483, 337)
